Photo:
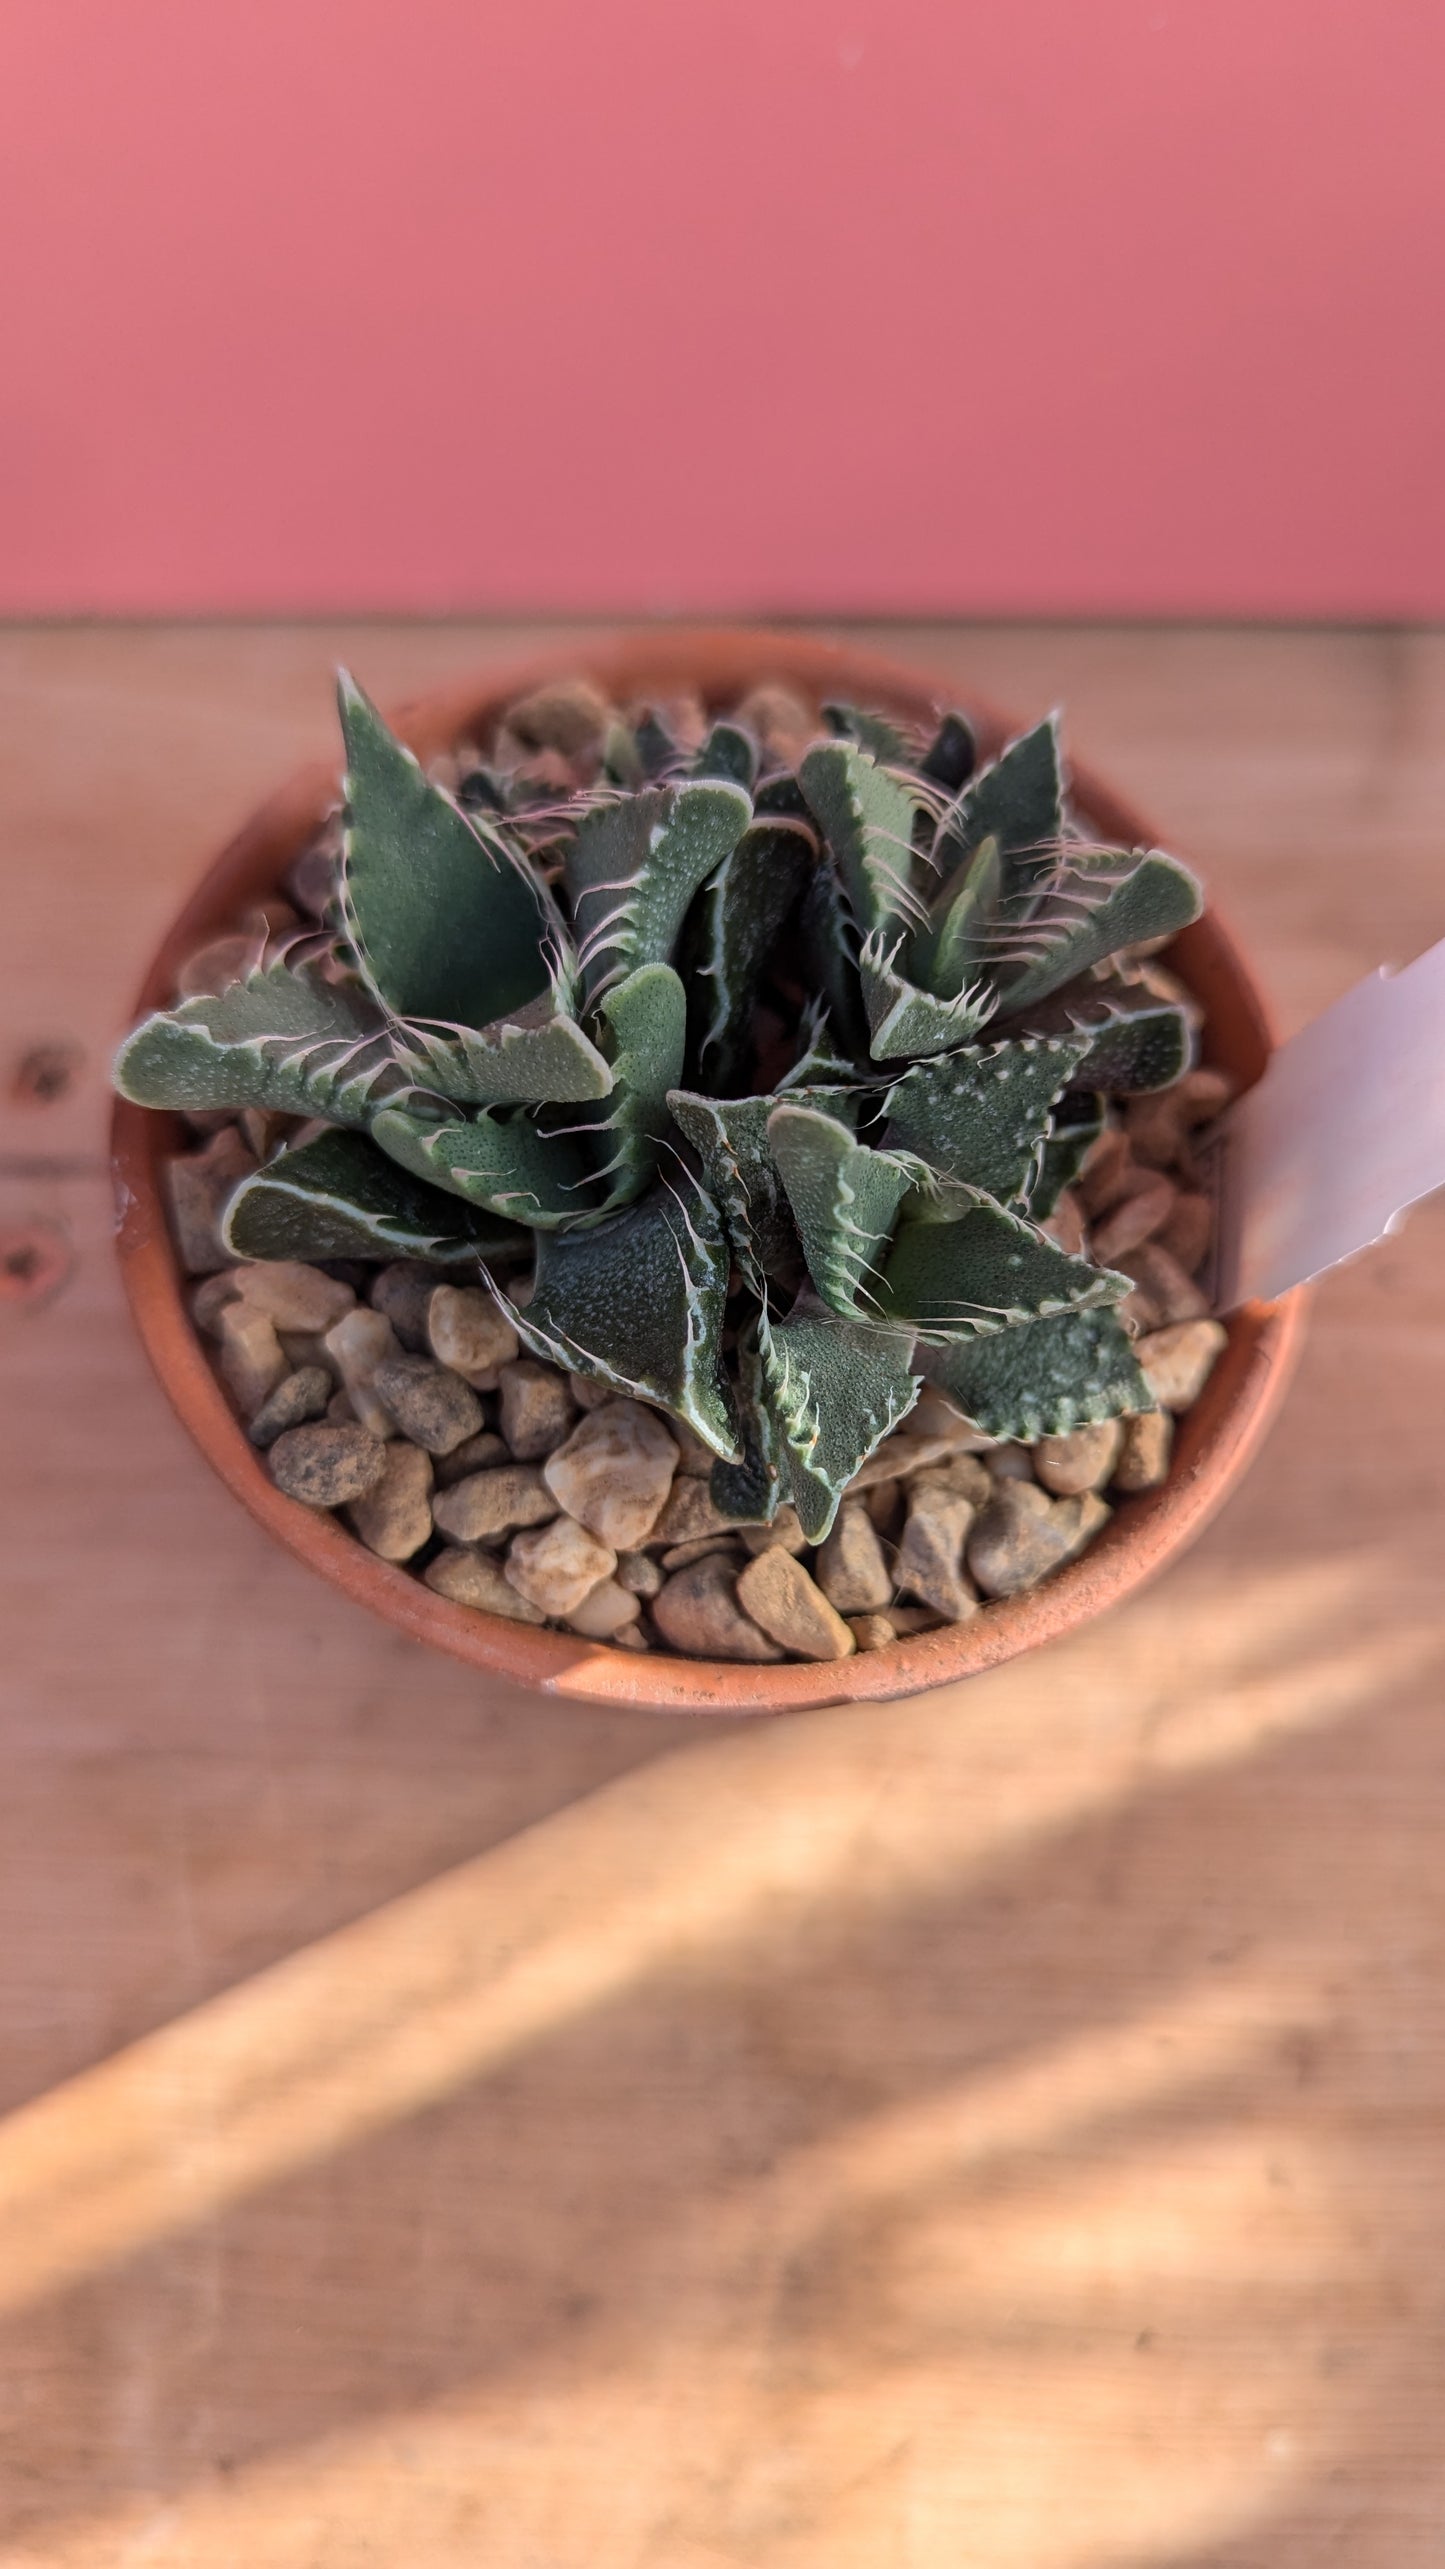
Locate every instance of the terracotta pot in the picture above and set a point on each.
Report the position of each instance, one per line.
(1215, 1441)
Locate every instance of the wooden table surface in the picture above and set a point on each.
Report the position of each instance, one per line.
(446, 2130)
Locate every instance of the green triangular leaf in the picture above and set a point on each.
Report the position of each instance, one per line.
(644, 1033)
(340, 1197)
(867, 819)
(1078, 1122)
(1018, 801)
(952, 950)
(730, 751)
(828, 957)
(281, 1039)
(1042, 1378)
(504, 1162)
(1093, 907)
(983, 1269)
(638, 1303)
(905, 1021)
(736, 922)
(982, 1115)
(1138, 1040)
(845, 1201)
(951, 755)
(819, 1062)
(539, 1057)
(834, 1389)
(730, 1137)
(634, 867)
(749, 1491)
(447, 921)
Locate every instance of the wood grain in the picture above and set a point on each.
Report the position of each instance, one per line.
(439, 2127)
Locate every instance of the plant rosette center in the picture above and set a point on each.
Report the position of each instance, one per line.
(711, 1180)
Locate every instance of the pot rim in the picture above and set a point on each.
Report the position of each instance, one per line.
(1214, 1442)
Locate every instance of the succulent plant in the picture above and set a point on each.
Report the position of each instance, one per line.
(770, 1062)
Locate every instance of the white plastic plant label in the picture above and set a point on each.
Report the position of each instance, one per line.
(1345, 1131)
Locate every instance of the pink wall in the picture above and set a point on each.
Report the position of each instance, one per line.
(930, 305)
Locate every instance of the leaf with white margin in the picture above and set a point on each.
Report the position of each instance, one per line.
(338, 1196)
(834, 1389)
(844, 1198)
(964, 1266)
(448, 921)
(637, 1303)
(1041, 1377)
(634, 868)
(281, 1039)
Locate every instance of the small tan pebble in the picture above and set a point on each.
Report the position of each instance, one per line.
(1144, 1455)
(403, 1292)
(356, 1345)
(778, 1593)
(697, 1613)
(614, 1473)
(1174, 1295)
(261, 1131)
(570, 716)
(1138, 1314)
(963, 1476)
(852, 1572)
(209, 1298)
(906, 1620)
(294, 1296)
(327, 1467)
(1018, 1539)
(885, 1503)
(1105, 1174)
(1205, 1093)
(1187, 1233)
(557, 1565)
(1137, 1216)
(682, 1553)
(689, 1514)
(341, 1413)
(1010, 1463)
(1066, 1223)
(297, 1397)
(1083, 1460)
(1159, 1126)
(467, 1331)
(1177, 1362)
(199, 1186)
(253, 1360)
(475, 1579)
(872, 1632)
(631, 1637)
(308, 1347)
(494, 1503)
(930, 1562)
(933, 1415)
(394, 1519)
(215, 965)
(1080, 1518)
(784, 1530)
(682, 714)
(779, 721)
(434, 1408)
(606, 1612)
(640, 1574)
(536, 1409)
(589, 1394)
(480, 1453)
(898, 1456)
(695, 1460)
